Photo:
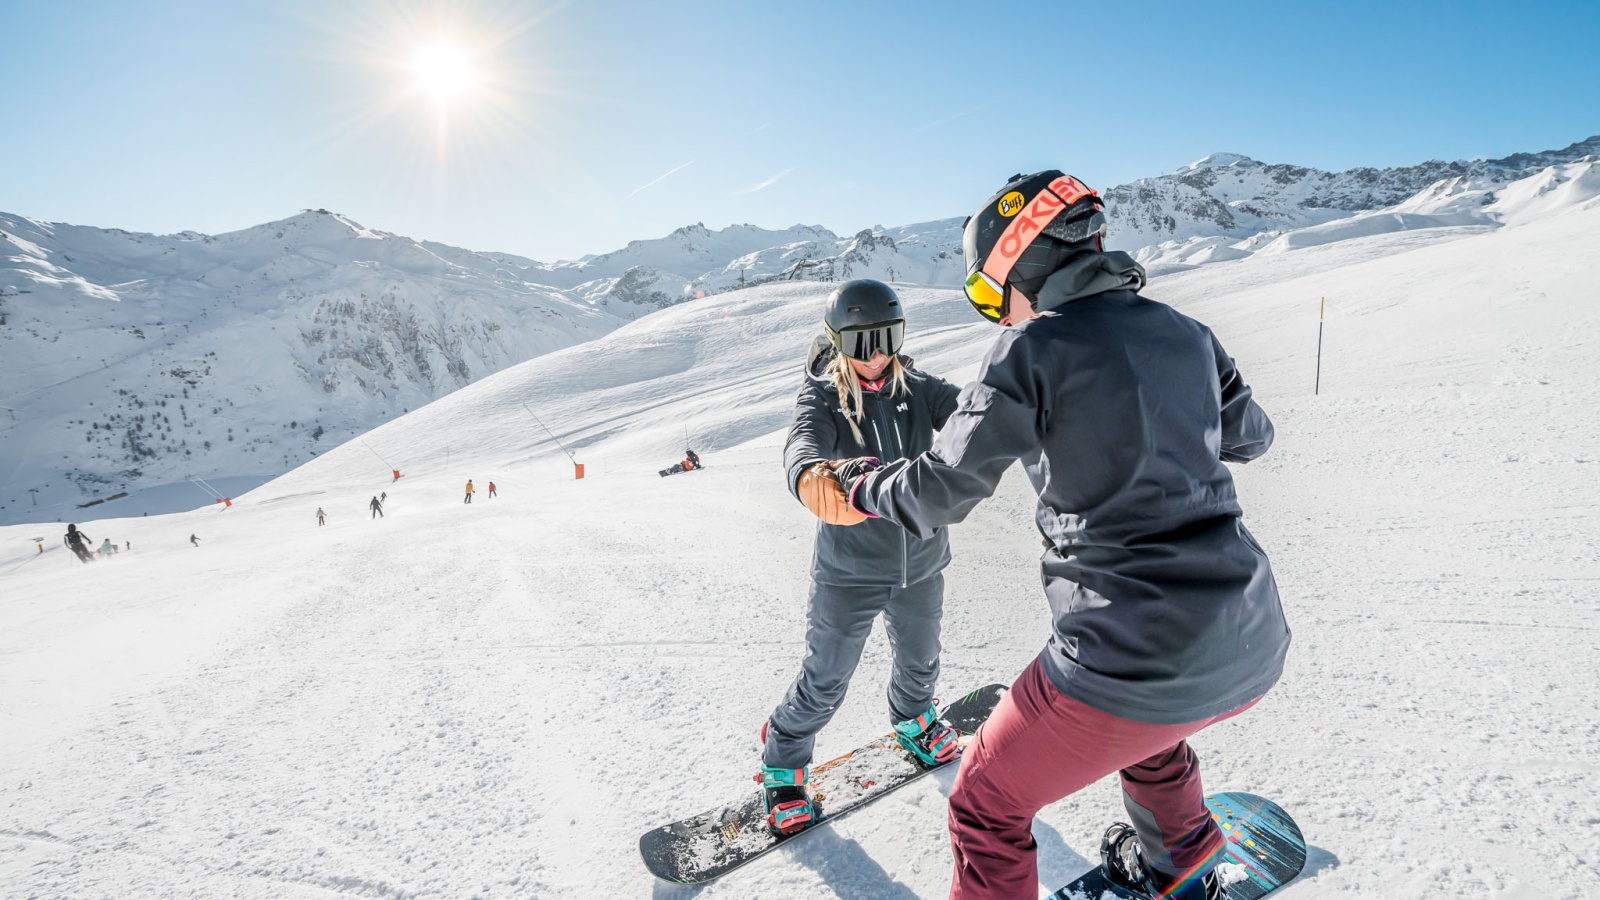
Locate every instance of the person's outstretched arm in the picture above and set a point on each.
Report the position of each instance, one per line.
(997, 419)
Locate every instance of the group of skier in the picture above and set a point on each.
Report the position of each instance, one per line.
(80, 544)
(1165, 614)
(375, 505)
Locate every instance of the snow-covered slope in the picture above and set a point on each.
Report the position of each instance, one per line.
(495, 700)
(132, 361)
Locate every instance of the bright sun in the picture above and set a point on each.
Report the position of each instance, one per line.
(442, 71)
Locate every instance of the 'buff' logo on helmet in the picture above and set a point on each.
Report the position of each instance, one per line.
(1011, 204)
(1036, 214)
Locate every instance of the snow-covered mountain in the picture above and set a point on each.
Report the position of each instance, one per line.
(695, 261)
(1234, 202)
(133, 361)
(1223, 207)
(271, 342)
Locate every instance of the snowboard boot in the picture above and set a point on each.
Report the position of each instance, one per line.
(1124, 866)
(787, 803)
(928, 738)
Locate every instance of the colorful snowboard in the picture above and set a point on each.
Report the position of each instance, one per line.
(1265, 851)
(714, 843)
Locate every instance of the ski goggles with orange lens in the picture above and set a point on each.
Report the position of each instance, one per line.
(986, 295)
(867, 342)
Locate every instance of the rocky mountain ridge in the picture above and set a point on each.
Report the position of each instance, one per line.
(276, 341)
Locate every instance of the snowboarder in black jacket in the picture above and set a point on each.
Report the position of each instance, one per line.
(860, 396)
(1165, 614)
(376, 507)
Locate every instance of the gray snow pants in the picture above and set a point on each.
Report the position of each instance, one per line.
(838, 622)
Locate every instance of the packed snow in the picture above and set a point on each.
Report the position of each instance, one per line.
(497, 699)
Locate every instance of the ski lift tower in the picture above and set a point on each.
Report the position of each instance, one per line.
(796, 270)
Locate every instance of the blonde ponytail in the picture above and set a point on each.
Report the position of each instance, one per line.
(848, 383)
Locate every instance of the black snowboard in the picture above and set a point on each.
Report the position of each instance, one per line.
(1265, 852)
(714, 843)
(680, 467)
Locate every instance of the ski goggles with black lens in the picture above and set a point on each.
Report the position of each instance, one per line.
(868, 341)
(986, 295)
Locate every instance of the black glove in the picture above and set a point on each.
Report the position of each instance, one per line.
(851, 471)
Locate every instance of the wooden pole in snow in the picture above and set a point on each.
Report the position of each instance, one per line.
(1321, 308)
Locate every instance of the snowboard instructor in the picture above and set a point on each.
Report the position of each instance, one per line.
(859, 396)
(1166, 616)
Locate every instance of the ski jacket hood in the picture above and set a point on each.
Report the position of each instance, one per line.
(1088, 275)
(875, 552)
(1122, 412)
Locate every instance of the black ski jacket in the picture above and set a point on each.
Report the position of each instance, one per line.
(1122, 412)
(875, 552)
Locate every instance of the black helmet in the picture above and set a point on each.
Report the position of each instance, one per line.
(863, 318)
(1024, 233)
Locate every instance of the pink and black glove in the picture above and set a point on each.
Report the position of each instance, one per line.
(851, 472)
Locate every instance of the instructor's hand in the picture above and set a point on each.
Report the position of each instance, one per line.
(822, 491)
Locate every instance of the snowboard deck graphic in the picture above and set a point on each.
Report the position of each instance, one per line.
(701, 848)
(1265, 851)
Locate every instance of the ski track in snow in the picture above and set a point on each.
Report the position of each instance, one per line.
(496, 700)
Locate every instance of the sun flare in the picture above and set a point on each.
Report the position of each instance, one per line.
(442, 71)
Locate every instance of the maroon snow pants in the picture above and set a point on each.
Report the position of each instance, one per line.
(1039, 746)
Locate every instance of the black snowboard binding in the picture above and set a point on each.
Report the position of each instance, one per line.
(1124, 865)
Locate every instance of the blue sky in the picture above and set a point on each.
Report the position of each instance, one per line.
(217, 116)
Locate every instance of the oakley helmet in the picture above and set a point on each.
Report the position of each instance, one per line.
(1029, 229)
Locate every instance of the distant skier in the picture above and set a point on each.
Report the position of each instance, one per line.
(376, 507)
(469, 492)
(194, 539)
(106, 549)
(384, 496)
(860, 395)
(75, 541)
(127, 545)
(491, 489)
(1164, 611)
(320, 515)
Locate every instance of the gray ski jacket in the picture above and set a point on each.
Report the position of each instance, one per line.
(1122, 412)
(874, 552)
